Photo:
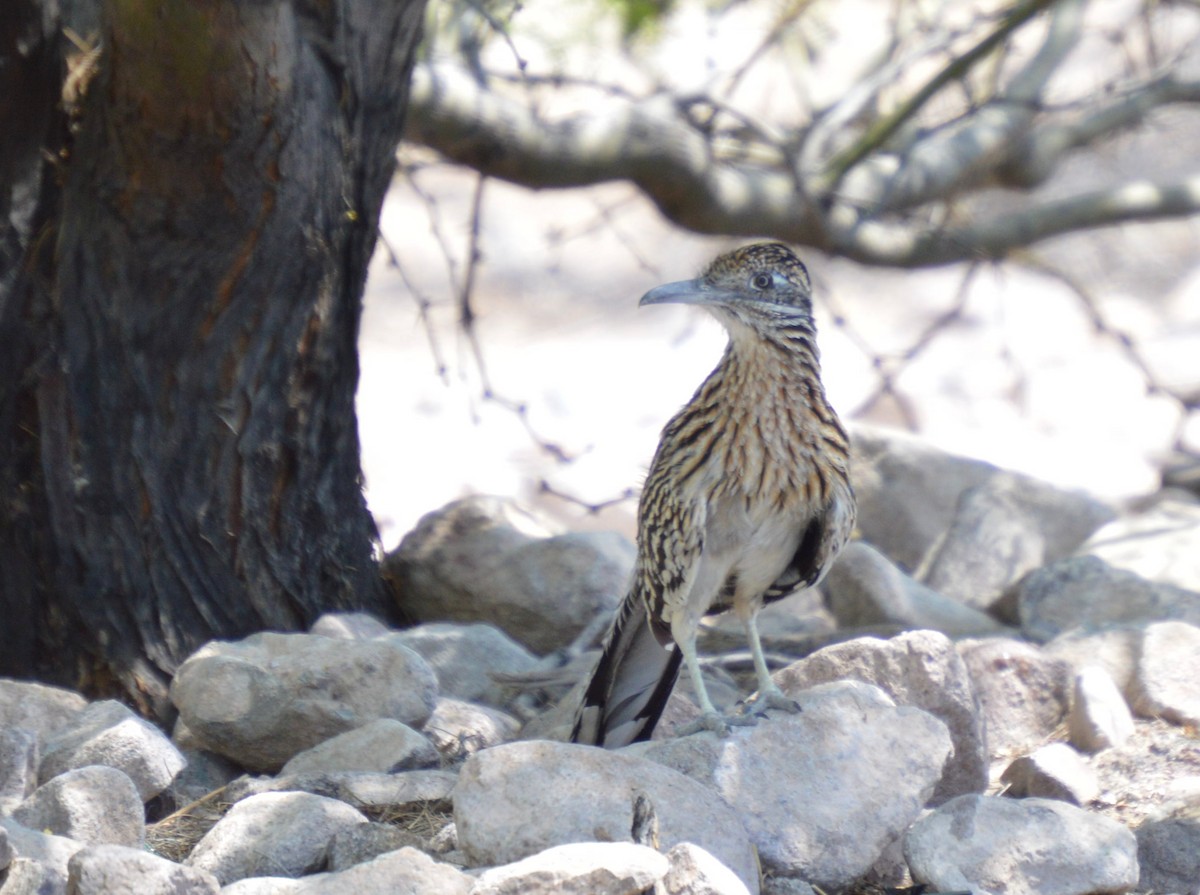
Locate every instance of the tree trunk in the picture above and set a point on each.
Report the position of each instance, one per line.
(178, 327)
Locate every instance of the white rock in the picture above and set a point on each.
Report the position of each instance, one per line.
(997, 846)
(1160, 544)
(1022, 692)
(93, 805)
(823, 791)
(695, 871)
(108, 733)
(18, 765)
(1114, 649)
(281, 834)
(1099, 717)
(383, 746)
(465, 656)
(37, 707)
(458, 729)
(262, 700)
(109, 869)
(1167, 683)
(918, 668)
(1055, 771)
(518, 799)
(263, 885)
(469, 562)
(375, 793)
(403, 871)
(578, 868)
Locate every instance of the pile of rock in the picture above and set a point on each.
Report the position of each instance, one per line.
(999, 692)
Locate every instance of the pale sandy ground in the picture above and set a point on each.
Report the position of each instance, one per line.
(1021, 379)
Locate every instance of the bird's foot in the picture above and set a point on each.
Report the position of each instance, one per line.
(771, 698)
(715, 722)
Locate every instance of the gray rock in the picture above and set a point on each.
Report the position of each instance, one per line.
(465, 657)
(364, 842)
(108, 733)
(1055, 771)
(349, 626)
(108, 869)
(1099, 717)
(262, 700)
(1004, 528)
(1167, 684)
(1114, 649)
(696, 872)
(459, 729)
(377, 794)
(205, 772)
(785, 885)
(402, 871)
(997, 846)
(18, 765)
(277, 834)
(1022, 693)
(909, 493)
(1169, 855)
(867, 770)
(382, 746)
(263, 885)
(922, 669)
(40, 862)
(1086, 592)
(518, 799)
(93, 805)
(1159, 544)
(37, 707)
(578, 868)
(864, 588)
(469, 562)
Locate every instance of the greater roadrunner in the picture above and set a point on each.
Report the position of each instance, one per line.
(748, 498)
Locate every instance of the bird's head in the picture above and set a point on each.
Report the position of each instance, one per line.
(759, 286)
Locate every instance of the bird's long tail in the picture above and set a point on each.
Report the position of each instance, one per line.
(631, 683)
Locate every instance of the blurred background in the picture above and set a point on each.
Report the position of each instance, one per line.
(997, 203)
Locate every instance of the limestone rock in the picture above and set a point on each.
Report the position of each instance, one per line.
(1086, 592)
(458, 729)
(401, 871)
(864, 588)
(1099, 717)
(464, 658)
(107, 869)
(997, 846)
(1055, 771)
(262, 700)
(470, 562)
(349, 626)
(578, 868)
(18, 765)
(40, 859)
(93, 805)
(820, 792)
(378, 794)
(283, 834)
(37, 707)
(107, 733)
(1159, 544)
(382, 746)
(1167, 684)
(696, 872)
(1023, 693)
(919, 668)
(518, 799)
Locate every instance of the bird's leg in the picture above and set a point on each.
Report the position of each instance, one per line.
(769, 696)
(710, 718)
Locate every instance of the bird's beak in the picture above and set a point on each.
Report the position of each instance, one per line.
(685, 292)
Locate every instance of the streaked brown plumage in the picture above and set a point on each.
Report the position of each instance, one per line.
(748, 498)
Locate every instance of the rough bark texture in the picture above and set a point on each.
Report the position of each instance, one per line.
(178, 328)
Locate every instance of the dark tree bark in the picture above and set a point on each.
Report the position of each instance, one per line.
(179, 307)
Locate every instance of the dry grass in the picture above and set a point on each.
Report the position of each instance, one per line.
(176, 835)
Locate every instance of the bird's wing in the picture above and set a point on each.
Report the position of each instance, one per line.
(671, 545)
(820, 543)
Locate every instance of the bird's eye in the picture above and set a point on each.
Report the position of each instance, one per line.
(761, 281)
